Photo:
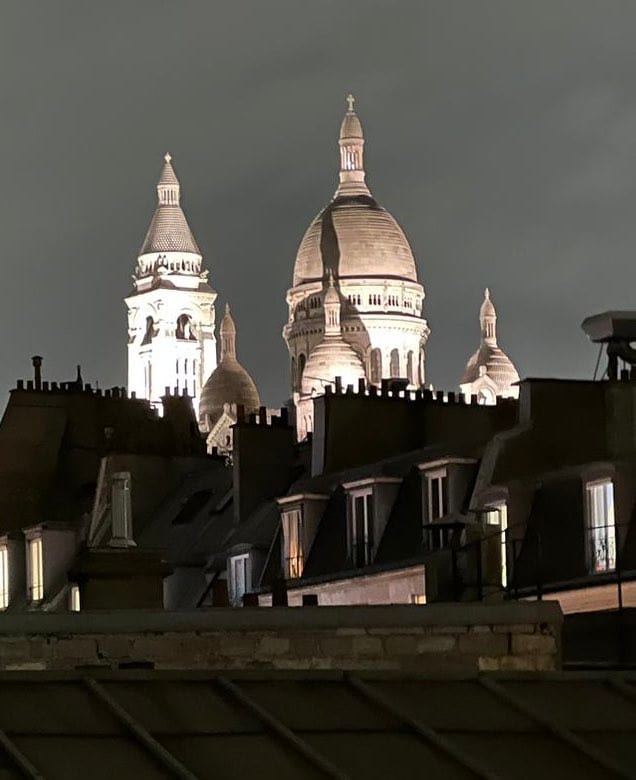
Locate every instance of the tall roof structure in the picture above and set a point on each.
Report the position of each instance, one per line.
(229, 383)
(169, 230)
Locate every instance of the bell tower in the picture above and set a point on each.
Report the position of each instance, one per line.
(171, 340)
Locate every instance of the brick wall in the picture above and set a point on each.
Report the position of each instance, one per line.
(438, 637)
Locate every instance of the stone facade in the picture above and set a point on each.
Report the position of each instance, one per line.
(171, 341)
(447, 637)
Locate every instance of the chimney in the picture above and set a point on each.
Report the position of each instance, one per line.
(121, 508)
(37, 371)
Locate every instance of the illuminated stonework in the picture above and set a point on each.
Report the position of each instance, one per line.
(332, 357)
(373, 266)
(228, 386)
(171, 339)
(489, 372)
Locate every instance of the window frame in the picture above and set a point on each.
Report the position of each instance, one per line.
(608, 529)
(361, 554)
(4, 576)
(74, 604)
(35, 569)
(443, 501)
(293, 564)
(235, 599)
(500, 509)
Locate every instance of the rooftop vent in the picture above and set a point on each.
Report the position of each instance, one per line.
(616, 329)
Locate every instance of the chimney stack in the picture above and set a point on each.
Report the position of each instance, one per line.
(37, 371)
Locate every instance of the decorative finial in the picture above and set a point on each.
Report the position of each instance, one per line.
(350, 102)
(330, 277)
(167, 157)
(487, 294)
(227, 308)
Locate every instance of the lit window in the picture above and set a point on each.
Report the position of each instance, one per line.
(4, 577)
(293, 553)
(418, 598)
(437, 494)
(498, 516)
(240, 579)
(361, 529)
(74, 598)
(36, 575)
(601, 532)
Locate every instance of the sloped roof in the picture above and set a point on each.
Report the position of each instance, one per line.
(308, 724)
(169, 232)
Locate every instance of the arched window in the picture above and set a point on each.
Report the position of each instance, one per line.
(409, 368)
(294, 379)
(301, 367)
(395, 364)
(185, 328)
(376, 366)
(150, 331)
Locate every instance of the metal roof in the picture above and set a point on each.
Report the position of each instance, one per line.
(150, 724)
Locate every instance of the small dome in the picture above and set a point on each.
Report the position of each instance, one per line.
(498, 367)
(331, 358)
(229, 383)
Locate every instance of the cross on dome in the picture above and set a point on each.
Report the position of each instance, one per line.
(350, 102)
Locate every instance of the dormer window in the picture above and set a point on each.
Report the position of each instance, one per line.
(293, 552)
(437, 494)
(601, 528)
(4, 576)
(240, 578)
(361, 528)
(74, 598)
(35, 569)
(300, 516)
(497, 516)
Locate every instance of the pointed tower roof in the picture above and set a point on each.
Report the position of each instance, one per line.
(169, 230)
(351, 144)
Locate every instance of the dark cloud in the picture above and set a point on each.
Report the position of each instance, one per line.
(502, 135)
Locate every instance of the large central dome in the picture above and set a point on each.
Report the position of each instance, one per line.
(353, 236)
(358, 237)
(359, 245)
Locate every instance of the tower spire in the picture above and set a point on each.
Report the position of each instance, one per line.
(227, 331)
(168, 187)
(488, 320)
(351, 144)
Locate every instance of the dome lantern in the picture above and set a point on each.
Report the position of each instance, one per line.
(351, 144)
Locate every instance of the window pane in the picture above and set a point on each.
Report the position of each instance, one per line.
(293, 543)
(601, 534)
(36, 589)
(4, 578)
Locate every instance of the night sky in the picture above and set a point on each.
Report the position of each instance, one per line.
(501, 135)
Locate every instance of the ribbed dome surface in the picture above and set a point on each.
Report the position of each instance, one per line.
(498, 366)
(229, 383)
(354, 236)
